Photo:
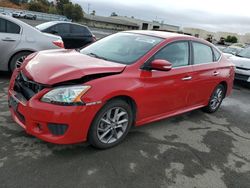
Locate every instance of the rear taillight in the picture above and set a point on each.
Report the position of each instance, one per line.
(94, 38)
(59, 43)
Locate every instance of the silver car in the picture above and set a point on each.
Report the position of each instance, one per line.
(242, 64)
(18, 40)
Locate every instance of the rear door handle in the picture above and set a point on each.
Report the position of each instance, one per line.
(187, 78)
(216, 73)
(7, 39)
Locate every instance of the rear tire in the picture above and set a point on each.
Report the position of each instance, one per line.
(111, 124)
(215, 99)
(17, 60)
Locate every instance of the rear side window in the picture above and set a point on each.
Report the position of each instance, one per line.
(9, 27)
(80, 30)
(202, 53)
(60, 28)
(13, 28)
(176, 53)
(217, 55)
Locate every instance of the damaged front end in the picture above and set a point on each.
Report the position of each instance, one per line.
(26, 88)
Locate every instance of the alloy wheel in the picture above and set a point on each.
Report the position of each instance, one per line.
(20, 61)
(112, 125)
(216, 98)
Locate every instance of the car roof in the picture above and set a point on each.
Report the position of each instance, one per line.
(161, 34)
(66, 22)
(25, 27)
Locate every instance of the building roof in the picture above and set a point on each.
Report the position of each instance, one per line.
(109, 20)
(136, 20)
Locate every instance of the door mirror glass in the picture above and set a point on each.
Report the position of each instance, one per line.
(161, 65)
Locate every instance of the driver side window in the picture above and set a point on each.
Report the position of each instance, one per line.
(176, 53)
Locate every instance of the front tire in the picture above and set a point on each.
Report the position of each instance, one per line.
(111, 124)
(17, 60)
(215, 99)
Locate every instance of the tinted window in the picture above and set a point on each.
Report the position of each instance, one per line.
(2, 25)
(9, 27)
(202, 53)
(60, 28)
(216, 55)
(12, 28)
(76, 29)
(176, 53)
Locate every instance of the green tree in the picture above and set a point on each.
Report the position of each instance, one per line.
(73, 11)
(52, 10)
(39, 6)
(93, 13)
(60, 5)
(113, 14)
(232, 39)
(78, 13)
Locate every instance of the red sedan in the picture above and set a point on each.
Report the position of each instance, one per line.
(129, 78)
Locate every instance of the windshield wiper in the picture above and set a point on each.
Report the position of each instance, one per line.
(97, 56)
(238, 55)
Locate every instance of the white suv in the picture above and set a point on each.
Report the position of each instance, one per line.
(242, 63)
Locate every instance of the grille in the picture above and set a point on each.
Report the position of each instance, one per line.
(57, 129)
(20, 116)
(241, 77)
(242, 68)
(26, 87)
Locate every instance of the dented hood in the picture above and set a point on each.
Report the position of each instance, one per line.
(55, 66)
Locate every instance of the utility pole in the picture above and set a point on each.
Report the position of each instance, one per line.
(88, 7)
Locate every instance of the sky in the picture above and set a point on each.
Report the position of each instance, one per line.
(211, 15)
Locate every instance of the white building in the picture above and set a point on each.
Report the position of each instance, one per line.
(149, 25)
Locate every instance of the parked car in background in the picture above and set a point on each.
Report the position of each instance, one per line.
(65, 19)
(241, 45)
(73, 35)
(30, 16)
(220, 47)
(18, 40)
(242, 63)
(18, 14)
(232, 50)
(129, 78)
(6, 13)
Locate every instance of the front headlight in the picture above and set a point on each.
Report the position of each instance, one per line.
(67, 95)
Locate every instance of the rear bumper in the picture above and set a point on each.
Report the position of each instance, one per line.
(36, 117)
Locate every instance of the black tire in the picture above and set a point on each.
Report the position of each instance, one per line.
(13, 63)
(210, 108)
(93, 137)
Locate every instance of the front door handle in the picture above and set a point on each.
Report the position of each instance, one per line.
(216, 73)
(187, 78)
(7, 39)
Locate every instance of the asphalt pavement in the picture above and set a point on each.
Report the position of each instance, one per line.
(191, 150)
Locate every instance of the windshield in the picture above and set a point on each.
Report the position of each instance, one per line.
(245, 53)
(231, 50)
(125, 48)
(44, 26)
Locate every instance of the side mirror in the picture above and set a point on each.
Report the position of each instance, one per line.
(161, 65)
